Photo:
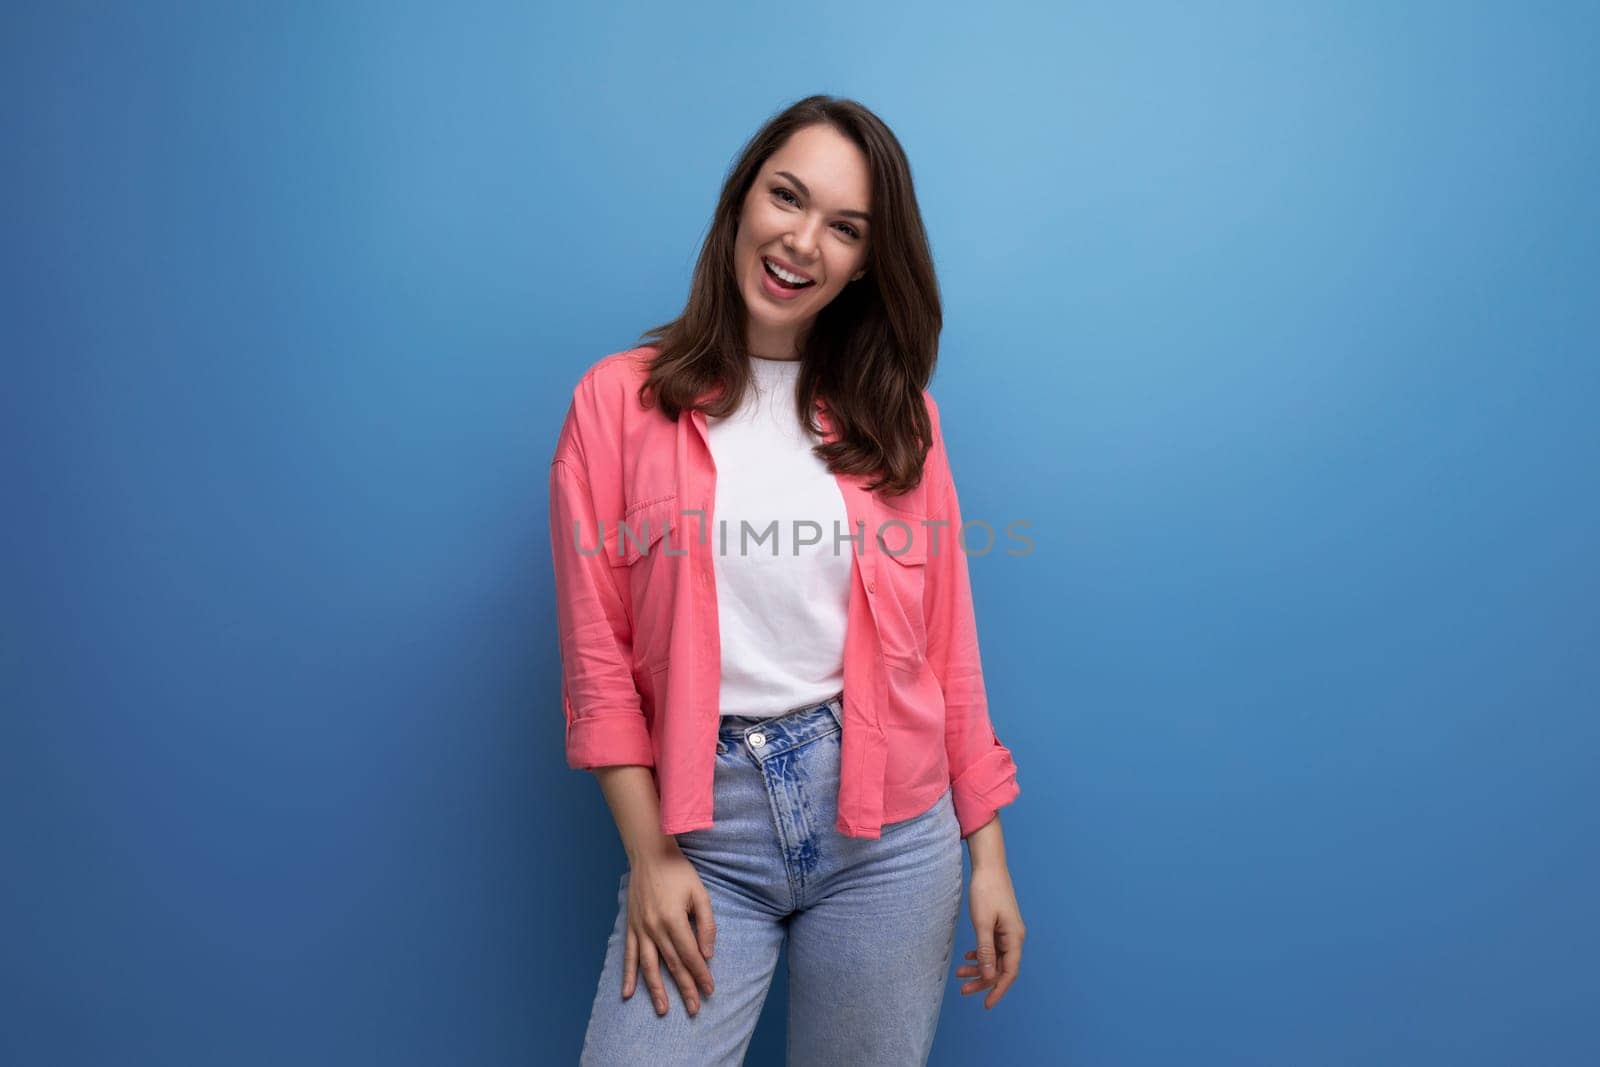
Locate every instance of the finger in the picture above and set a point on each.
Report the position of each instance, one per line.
(650, 964)
(986, 953)
(667, 942)
(630, 965)
(689, 947)
(1001, 987)
(705, 926)
(696, 977)
(975, 982)
(971, 970)
(1010, 942)
(1009, 963)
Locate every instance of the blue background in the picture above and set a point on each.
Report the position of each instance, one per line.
(1279, 323)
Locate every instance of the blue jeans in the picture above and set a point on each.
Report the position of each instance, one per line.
(870, 923)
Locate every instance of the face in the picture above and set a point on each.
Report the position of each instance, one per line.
(804, 210)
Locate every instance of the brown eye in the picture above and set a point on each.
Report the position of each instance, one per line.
(779, 190)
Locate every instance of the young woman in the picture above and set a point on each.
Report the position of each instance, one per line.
(769, 655)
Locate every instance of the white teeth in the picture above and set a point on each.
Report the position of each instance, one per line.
(792, 279)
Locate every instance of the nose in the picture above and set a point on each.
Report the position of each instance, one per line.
(802, 243)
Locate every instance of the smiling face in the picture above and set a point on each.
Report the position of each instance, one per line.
(805, 214)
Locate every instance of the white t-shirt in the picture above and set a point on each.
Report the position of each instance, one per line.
(782, 615)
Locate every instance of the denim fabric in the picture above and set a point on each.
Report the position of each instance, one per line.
(870, 922)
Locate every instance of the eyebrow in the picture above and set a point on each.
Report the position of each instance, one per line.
(807, 194)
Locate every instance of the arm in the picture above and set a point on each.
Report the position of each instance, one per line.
(605, 722)
(986, 846)
(982, 772)
(668, 909)
(630, 793)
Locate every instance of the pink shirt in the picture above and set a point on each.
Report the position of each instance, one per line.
(637, 618)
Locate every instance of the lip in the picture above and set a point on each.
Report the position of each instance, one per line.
(770, 286)
(790, 267)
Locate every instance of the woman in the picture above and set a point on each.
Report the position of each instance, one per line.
(769, 656)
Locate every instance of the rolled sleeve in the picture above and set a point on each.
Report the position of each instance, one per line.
(607, 740)
(605, 723)
(983, 775)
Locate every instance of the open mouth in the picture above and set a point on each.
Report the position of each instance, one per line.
(783, 279)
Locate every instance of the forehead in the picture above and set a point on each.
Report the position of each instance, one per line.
(829, 163)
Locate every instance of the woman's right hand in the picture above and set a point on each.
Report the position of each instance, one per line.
(664, 890)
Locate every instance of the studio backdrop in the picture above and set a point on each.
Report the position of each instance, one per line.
(1276, 322)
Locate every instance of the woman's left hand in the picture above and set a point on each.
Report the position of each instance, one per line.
(998, 922)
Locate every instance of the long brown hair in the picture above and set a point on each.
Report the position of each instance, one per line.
(869, 353)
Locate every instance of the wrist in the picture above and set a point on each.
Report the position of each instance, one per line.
(986, 846)
(650, 849)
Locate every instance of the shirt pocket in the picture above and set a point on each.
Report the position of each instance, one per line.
(648, 546)
(902, 575)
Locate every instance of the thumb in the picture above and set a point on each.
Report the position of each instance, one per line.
(704, 925)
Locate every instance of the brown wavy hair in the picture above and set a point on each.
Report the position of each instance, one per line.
(869, 353)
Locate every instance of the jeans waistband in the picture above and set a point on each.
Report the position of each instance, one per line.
(779, 733)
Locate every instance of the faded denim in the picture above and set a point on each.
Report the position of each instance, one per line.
(870, 923)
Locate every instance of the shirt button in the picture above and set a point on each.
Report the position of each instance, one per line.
(872, 587)
(758, 739)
